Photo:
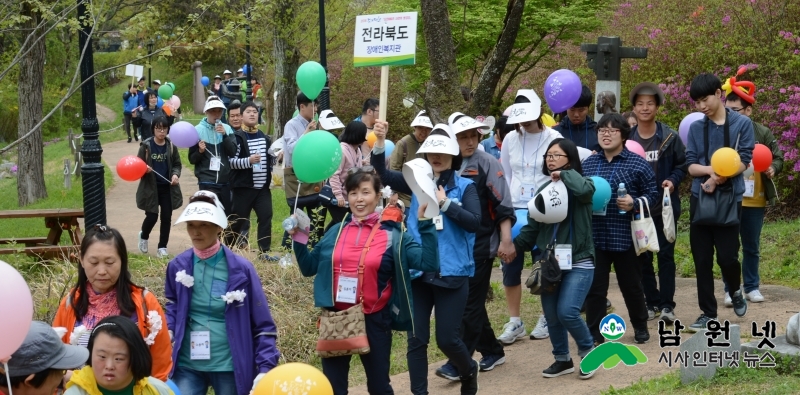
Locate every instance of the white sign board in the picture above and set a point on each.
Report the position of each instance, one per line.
(385, 39)
(133, 70)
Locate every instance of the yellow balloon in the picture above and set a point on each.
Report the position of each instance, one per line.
(548, 120)
(371, 139)
(725, 161)
(294, 379)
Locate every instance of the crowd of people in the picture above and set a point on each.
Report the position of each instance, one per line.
(396, 256)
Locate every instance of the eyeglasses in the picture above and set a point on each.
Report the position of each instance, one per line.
(362, 169)
(553, 156)
(160, 128)
(608, 131)
(740, 109)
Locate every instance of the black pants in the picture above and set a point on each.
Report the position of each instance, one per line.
(629, 276)
(244, 201)
(223, 192)
(449, 303)
(165, 206)
(661, 295)
(126, 123)
(337, 215)
(703, 240)
(476, 330)
(309, 204)
(376, 363)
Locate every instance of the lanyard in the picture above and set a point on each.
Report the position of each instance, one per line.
(613, 170)
(524, 158)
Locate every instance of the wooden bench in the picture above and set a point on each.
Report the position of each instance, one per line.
(50, 247)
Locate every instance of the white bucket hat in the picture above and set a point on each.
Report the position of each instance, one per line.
(329, 121)
(203, 211)
(213, 102)
(419, 177)
(422, 120)
(550, 206)
(241, 70)
(227, 72)
(459, 123)
(527, 107)
(440, 141)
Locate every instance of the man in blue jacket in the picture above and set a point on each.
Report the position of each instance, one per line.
(130, 100)
(666, 155)
(578, 126)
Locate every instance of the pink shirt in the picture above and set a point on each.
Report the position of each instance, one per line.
(350, 159)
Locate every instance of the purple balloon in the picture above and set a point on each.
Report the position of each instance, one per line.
(183, 134)
(687, 121)
(562, 90)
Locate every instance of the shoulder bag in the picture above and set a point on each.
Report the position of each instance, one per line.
(546, 274)
(643, 230)
(344, 332)
(718, 208)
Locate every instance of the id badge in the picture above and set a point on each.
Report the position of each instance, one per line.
(564, 256)
(438, 221)
(201, 345)
(215, 164)
(346, 289)
(526, 192)
(749, 188)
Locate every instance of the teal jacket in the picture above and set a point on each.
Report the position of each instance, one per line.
(580, 190)
(404, 254)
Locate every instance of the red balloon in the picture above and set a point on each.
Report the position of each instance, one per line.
(762, 158)
(131, 168)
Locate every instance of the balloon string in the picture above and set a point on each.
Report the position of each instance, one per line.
(8, 377)
(159, 174)
(299, 184)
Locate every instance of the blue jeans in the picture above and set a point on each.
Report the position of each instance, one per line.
(752, 220)
(192, 382)
(562, 309)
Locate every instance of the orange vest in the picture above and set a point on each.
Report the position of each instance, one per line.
(161, 350)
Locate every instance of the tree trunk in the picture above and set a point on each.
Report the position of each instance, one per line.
(30, 180)
(498, 60)
(286, 63)
(443, 94)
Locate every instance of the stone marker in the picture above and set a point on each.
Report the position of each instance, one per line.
(699, 343)
(786, 345)
(605, 58)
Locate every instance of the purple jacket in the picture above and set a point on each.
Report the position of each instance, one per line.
(251, 330)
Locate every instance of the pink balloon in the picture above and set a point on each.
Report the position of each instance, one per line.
(635, 147)
(175, 101)
(16, 309)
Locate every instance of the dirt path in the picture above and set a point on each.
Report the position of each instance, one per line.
(527, 358)
(105, 114)
(121, 208)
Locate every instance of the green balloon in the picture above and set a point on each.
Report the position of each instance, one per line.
(165, 92)
(296, 113)
(171, 85)
(311, 79)
(316, 156)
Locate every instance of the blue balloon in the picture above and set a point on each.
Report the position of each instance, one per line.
(602, 193)
(389, 148)
(244, 69)
(174, 387)
(522, 220)
(204, 81)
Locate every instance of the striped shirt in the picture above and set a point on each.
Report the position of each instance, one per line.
(612, 232)
(257, 144)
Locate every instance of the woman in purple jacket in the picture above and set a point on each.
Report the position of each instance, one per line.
(224, 335)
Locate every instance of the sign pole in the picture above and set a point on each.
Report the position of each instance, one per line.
(384, 97)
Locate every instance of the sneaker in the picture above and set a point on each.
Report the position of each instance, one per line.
(142, 244)
(559, 368)
(136, 136)
(585, 376)
(129, 139)
(728, 301)
(540, 331)
(652, 313)
(699, 325)
(609, 307)
(512, 332)
(448, 371)
(667, 315)
(162, 253)
(641, 335)
(739, 304)
(469, 384)
(489, 362)
(754, 296)
(269, 257)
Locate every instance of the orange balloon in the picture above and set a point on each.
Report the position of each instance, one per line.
(131, 168)
(725, 161)
(167, 110)
(371, 139)
(294, 378)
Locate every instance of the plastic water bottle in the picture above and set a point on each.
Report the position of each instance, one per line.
(621, 193)
(335, 202)
(289, 223)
